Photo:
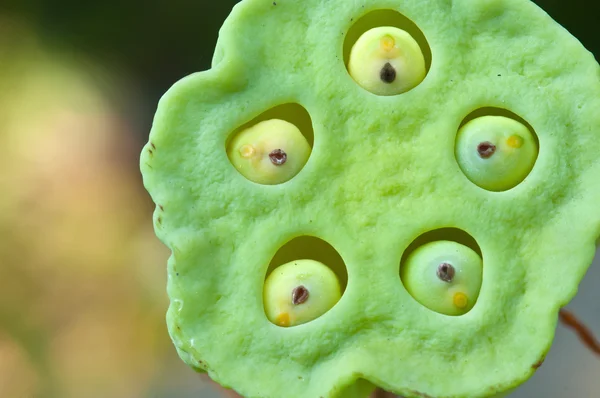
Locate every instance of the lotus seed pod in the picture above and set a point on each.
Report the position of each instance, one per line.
(384, 178)
(387, 61)
(496, 152)
(299, 292)
(444, 276)
(270, 152)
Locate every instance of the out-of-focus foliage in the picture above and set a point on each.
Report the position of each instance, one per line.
(82, 302)
(157, 41)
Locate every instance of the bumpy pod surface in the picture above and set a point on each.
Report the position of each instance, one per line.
(382, 174)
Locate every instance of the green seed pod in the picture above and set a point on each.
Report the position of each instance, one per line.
(299, 292)
(496, 152)
(382, 174)
(444, 276)
(387, 61)
(270, 152)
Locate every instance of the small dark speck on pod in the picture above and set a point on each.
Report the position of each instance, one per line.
(274, 3)
(499, 75)
(153, 146)
(161, 207)
(177, 274)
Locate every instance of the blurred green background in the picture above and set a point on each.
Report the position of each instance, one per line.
(82, 277)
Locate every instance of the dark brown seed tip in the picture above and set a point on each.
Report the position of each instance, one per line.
(278, 157)
(486, 149)
(388, 73)
(299, 295)
(446, 272)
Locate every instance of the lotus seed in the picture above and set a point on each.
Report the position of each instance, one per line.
(387, 61)
(270, 152)
(495, 152)
(299, 292)
(444, 276)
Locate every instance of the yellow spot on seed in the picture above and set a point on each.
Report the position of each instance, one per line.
(247, 151)
(283, 319)
(461, 300)
(387, 43)
(515, 141)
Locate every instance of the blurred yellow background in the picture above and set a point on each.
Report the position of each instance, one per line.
(82, 276)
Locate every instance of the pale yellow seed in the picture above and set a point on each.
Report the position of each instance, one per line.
(515, 141)
(460, 300)
(247, 151)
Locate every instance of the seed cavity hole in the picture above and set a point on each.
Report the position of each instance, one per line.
(380, 18)
(305, 279)
(362, 387)
(386, 53)
(496, 149)
(443, 271)
(273, 147)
